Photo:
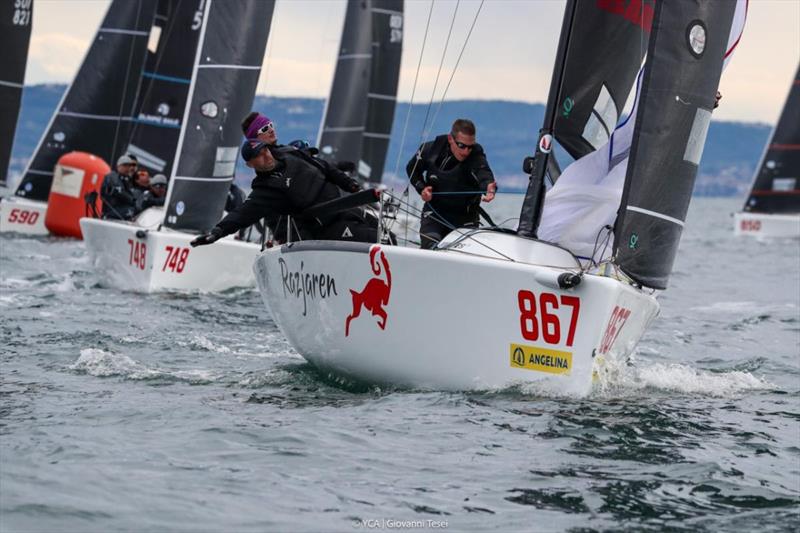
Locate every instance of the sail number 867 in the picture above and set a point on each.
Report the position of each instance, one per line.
(538, 316)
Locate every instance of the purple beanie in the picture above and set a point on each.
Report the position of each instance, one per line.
(259, 122)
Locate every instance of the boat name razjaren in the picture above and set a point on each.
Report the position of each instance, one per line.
(306, 285)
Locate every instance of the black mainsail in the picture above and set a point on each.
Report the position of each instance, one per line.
(359, 113)
(776, 188)
(681, 78)
(233, 37)
(164, 90)
(15, 36)
(94, 114)
(600, 51)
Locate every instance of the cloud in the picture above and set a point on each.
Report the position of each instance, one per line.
(54, 57)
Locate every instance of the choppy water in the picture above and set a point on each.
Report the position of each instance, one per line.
(191, 412)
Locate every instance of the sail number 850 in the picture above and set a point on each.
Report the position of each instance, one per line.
(538, 317)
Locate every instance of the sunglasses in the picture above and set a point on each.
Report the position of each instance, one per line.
(266, 128)
(159, 185)
(463, 146)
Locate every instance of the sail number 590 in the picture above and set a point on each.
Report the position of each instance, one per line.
(538, 317)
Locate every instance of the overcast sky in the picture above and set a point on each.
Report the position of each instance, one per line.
(509, 55)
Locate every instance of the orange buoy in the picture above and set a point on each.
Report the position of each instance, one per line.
(75, 175)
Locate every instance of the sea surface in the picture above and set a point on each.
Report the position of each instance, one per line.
(191, 412)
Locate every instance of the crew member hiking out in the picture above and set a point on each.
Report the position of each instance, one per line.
(444, 171)
(285, 186)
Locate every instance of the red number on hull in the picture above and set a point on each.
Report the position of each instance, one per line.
(547, 321)
(23, 216)
(176, 259)
(750, 225)
(618, 318)
(138, 254)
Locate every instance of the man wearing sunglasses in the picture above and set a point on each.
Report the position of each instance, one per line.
(444, 172)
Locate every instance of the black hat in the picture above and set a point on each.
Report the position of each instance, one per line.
(251, 148)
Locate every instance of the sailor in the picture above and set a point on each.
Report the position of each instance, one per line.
(155, 195)
(444, 171)
(284, 187)
(117, 192)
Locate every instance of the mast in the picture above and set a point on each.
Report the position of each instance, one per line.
(15, 36)
(776, 186)
(233, 37)
(94, 114)
(531, 212)
(600, 52)
(165, 84)
(681, 77)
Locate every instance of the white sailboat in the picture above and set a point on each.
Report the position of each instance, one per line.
(490, 309)
(772, 208)
(153, 253)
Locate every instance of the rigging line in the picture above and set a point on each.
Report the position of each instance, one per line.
(438, 72)
(413, 92)
(113, 154)
(411, 104)
(471, 235)
(422, 132)
(455, 68)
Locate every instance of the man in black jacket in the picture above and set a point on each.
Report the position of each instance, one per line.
(284, 186)
(120, 200)
(444, 171)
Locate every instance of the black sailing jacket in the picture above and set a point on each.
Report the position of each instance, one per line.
(290, 188)
(435, 165)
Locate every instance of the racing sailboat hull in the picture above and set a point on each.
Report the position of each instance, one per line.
(462, 318)
(137, 256)
(20, 215)
(767, 225)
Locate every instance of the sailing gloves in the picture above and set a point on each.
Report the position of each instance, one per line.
(207, 238)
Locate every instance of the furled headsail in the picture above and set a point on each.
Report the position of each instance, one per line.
(681, 78)
(94, 114)
(233, 36)
(15, 36)
(164, 90)
(776, 188)
(600, 51)
(359, 113)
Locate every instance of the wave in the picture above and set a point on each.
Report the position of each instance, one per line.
(101, 363)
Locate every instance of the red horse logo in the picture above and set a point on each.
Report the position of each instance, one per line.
(375, 294)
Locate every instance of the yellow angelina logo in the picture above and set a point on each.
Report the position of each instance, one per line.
(540, 359)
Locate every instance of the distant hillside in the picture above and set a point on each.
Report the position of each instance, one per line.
(507, 130)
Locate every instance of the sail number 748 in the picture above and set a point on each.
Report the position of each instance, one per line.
(538, 316)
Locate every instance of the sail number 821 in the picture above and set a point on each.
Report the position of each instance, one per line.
(538, 316)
